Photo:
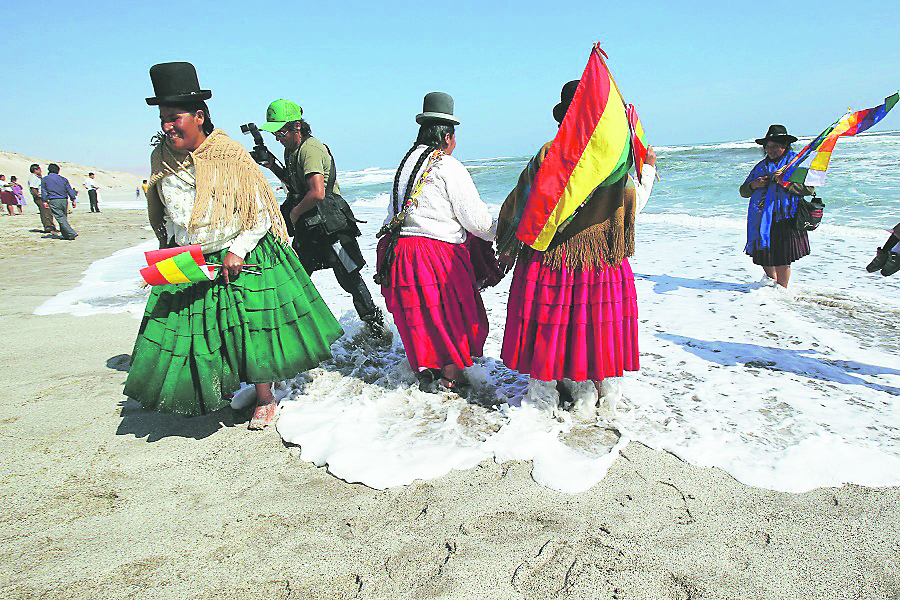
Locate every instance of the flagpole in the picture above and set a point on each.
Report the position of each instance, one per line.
(602, 55)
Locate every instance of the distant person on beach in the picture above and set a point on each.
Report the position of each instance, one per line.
(887, 258)
(7, 197)
(198, 341)
(771, 240)
(34, 186)
(57, 192)
(16, 188)
(424, 266)
(572, 313)
(322, 224)
(91, 186)
(140, 190)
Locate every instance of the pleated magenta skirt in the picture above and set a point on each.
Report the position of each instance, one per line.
(435, 302)
(575, 323)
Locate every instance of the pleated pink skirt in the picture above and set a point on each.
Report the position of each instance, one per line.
(435, 302)
(574, 323)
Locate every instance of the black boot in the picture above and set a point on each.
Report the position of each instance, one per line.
(375, 323)
(881, 257)
(892, 265)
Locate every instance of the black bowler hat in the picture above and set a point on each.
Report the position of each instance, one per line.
(778, 134)
(176, 83)
(437, 107)
(565, 99)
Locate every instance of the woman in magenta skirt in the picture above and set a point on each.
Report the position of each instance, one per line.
(424, 265)
(572, 312)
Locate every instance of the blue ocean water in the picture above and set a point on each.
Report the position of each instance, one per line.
(862, 189)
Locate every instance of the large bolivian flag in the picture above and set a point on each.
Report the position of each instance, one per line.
(184, 264)
(591, 149)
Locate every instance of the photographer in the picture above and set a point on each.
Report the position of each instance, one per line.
(324, 227)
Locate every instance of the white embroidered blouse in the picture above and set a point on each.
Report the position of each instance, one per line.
(448, 205)
(177, 194)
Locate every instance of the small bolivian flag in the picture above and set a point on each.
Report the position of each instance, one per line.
(591, 148)
(184, 264)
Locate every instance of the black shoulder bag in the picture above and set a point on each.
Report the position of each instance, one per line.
(332, 215)
(809, 213)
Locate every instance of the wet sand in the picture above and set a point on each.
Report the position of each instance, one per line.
(101, 499)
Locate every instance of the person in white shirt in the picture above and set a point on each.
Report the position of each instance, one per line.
(34, 186)
(424, 266)
(91, 186)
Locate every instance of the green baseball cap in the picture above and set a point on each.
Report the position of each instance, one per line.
(281, 111)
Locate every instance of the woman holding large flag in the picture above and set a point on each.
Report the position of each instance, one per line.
(424, 266)
(771, 240)
(199, 341)
(572, 311)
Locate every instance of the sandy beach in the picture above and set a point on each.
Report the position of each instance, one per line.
(102, 499)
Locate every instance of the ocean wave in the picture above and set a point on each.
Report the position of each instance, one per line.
(686, 220)
(379, 200)
(367, 176)
(889, 137)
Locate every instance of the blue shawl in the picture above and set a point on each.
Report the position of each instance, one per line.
(769, 204)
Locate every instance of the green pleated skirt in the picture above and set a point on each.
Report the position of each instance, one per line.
(199, 341)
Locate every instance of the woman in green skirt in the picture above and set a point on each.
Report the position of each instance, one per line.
(199, 341)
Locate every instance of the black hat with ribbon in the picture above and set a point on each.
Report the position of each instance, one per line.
(176, 83)
(778, 134)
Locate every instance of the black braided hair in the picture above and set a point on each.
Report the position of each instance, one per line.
(435, 133)
(396, 187)
(412, 176)
(432, 134)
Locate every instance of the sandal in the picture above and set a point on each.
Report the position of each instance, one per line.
(455, 386)
(263, 416)
(427, 378)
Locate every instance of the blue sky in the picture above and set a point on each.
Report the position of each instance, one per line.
(76, 74)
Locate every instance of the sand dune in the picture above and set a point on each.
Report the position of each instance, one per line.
(12, 163)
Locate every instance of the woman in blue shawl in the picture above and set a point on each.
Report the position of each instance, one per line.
(771, 240)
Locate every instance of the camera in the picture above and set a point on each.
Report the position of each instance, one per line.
(259, 153)
(262, 155)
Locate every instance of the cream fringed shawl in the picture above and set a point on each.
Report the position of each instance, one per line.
(227, 182)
